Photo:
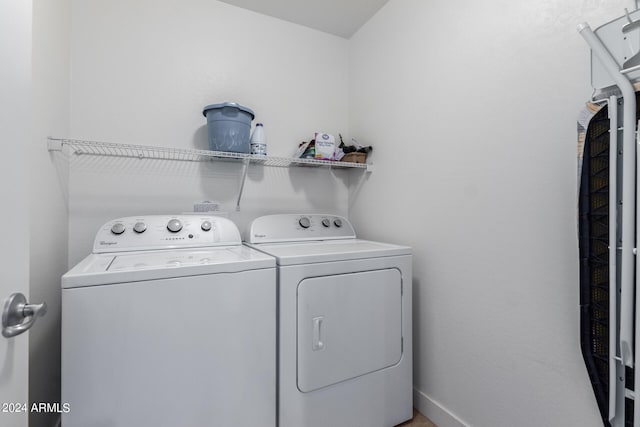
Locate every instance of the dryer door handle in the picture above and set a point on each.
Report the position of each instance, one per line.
(317, 334)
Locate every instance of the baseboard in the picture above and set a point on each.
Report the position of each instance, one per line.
(435, 411)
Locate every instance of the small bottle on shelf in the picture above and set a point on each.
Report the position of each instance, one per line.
(258, 141)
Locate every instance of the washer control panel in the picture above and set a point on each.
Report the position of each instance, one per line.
(298, 227)
(154, 232)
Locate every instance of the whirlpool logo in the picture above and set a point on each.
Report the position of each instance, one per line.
(105, 243)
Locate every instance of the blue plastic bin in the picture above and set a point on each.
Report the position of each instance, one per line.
(229, 127)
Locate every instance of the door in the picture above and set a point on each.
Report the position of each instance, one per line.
(348, 325)
(15, 138)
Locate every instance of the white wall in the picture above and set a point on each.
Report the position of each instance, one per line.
(471, 109)
(143, 71)
(48, 214)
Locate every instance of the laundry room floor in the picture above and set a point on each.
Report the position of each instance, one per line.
(418, 420)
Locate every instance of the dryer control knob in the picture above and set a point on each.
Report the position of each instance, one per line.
(304, 222)
(326, 222)
(206, 226)
(140, 227)
(118, 228)
(174, 225)
(337, 222)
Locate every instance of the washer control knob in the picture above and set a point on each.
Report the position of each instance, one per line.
(206, 226)
(326, 222)
(117, 228)
(174, 225)
(140, 227)
(304, 222)
(337, 222)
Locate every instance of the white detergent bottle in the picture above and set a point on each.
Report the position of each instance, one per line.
(258, 141)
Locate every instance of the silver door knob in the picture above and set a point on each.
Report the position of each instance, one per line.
(18, 316)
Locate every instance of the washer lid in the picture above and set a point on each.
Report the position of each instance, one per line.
(329, 251)
(102, 269)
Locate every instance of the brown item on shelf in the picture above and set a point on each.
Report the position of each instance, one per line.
(355, 157)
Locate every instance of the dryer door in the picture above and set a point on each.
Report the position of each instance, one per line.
(348, 325)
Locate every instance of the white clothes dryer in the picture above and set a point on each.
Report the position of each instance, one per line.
(344, 323)
(169, 322)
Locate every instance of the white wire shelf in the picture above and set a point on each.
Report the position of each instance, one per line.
(96, 148)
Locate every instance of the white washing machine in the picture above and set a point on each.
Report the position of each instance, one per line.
(344, 323)
(170, 322)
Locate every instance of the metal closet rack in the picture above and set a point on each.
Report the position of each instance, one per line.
(97, 148)
(79, 147)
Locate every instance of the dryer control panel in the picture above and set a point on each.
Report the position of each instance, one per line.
(152, 232)
(299, 227)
